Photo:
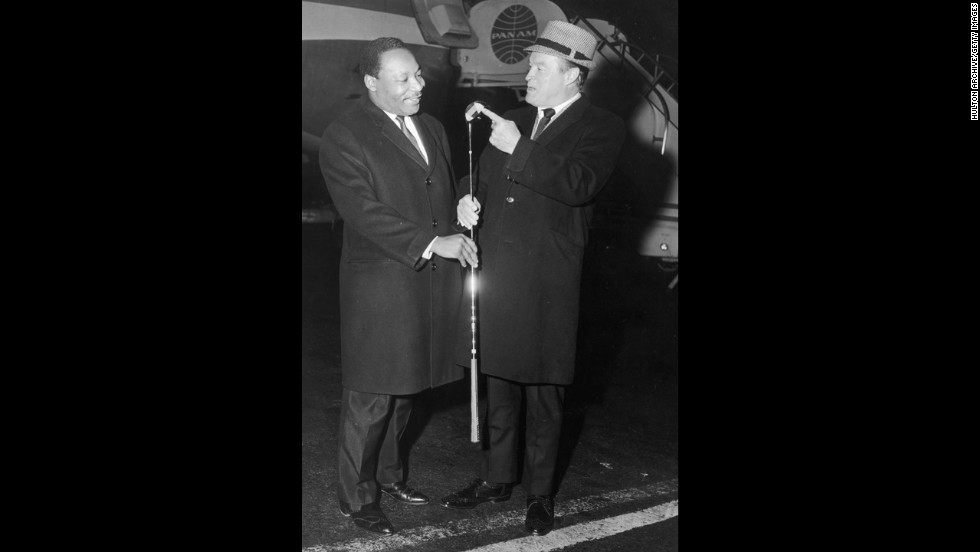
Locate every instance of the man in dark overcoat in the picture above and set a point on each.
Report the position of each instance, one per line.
(388, 172)
(535, 187)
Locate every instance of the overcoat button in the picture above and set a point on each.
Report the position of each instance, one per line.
(428, 182)
(433, 265)
(434, 223)
(509, 199)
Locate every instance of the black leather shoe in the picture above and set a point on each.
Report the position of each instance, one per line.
(369, 517)
(478, 492)
(403, 493)
(540, 518)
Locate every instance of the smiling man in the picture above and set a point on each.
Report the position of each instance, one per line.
(387, 170)
(537, 185)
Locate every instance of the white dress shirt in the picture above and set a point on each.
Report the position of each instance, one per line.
(411, 128)
(427, 254)
(558, 110)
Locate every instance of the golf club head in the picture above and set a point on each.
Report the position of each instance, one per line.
(475, 110)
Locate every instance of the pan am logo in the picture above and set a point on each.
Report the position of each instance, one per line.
(515, 29)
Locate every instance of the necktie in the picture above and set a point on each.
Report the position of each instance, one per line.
(408, 134)
(548, 114)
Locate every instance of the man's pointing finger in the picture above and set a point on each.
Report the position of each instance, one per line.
(493, 116)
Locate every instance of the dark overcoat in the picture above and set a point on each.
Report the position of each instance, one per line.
(397, 310)
(536, 206)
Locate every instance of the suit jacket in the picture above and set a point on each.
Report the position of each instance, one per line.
(536, 210)
(397, 310)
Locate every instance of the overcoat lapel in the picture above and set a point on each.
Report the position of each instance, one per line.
(393, 133)
(572, 114)
(390, 130)
(526, 122)
(429, 143)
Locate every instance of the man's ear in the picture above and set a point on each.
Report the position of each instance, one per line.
(371, 83)
(571, 75)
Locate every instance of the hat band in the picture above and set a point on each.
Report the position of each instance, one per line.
(561, 48)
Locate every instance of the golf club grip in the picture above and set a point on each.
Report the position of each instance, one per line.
(474, 416)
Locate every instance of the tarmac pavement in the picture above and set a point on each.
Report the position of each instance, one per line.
(619, 489)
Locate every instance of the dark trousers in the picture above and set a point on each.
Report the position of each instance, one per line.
(544, 408)
(371, 426)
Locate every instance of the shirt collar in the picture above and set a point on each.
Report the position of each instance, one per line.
(408, 121)
(560, 107)
(392, 116)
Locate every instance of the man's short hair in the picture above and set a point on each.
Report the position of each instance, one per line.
(370, 63)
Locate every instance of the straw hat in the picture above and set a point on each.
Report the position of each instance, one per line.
(567, 41)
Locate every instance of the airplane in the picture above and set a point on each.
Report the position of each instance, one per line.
(473, 50)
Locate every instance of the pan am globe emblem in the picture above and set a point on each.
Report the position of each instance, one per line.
(515, 29)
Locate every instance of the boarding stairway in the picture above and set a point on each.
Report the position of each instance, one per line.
(650, 69)
(660, 238)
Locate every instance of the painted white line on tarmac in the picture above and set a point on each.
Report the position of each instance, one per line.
(417, 535)
(593, 530)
